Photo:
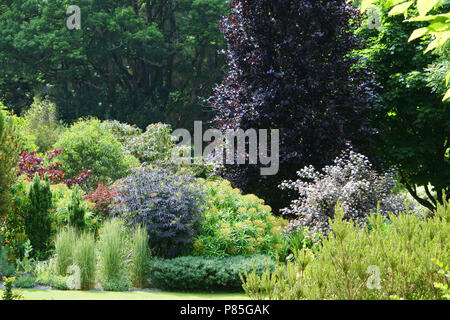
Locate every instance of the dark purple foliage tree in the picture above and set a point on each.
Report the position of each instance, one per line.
(291, 68)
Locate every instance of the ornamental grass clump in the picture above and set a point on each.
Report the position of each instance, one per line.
(392, 259)
(352, 182)
(64, 246)
(140, 257)
(113, 256)
(85, 259)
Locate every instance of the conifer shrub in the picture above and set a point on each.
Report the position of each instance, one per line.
(236, 224)
(352, 182)
(77, 209)
(390, 259)
(37, 218)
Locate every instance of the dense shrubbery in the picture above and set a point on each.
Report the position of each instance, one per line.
(349, 181)
(205, 273)
(123, 132)
(88, 145)
(101, 200)
(403, 249)
(166, 203)
(235, 224)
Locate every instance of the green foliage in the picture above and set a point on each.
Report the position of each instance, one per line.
(9, 154)
(113, 256)
(46, 275)
(7, 268)
(236, 224)
(444, 285)
(84, 258)
(64, 245)
(41, 123)
(413, 121)
(87, 145)
(76, 209)
(27, 264)
(8, 293)
(37, 218)
(154, 145)
(12, 226)
(205, 273)
(140, 257)
(144, 63)
(347, 265)
(25, 282)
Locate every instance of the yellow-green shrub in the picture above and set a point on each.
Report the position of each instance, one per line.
(402, 250)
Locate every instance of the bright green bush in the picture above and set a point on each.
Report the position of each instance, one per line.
(64, 245)
(113, 256)
(205, 273)
(87, 145)
(41, 123)
(402, 250)
(140, 256)
(37, 217)
(84, 258)
(236, 224)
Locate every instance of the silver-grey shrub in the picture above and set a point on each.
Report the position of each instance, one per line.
(352, 182)
(166, 203)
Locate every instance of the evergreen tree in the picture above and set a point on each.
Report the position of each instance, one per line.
(37, 218)
(76, 209)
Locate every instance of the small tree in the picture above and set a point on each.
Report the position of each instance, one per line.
(9, 153)
(77, 210)
(37, 219)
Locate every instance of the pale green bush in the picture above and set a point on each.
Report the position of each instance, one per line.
(402, 250)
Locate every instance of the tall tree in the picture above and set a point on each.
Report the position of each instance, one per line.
(414, 122)
(136, 61)
(291, 68)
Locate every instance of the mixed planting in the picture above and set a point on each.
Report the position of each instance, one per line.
(89, 197)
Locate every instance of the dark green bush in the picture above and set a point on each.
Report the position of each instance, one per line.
(205, 273)
(37, 218)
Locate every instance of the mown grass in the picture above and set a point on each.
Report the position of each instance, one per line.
(35, 294)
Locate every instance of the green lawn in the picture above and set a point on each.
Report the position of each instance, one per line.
(35, 294)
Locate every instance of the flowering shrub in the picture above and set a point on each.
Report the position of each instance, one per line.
(236, 224)
(101, 200)
(349, 181)
(166, 203)
(30, 164)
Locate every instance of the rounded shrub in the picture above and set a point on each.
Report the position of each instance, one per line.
(87, 145)
(205, 273)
